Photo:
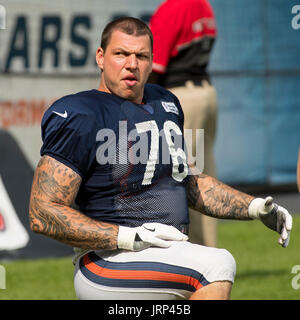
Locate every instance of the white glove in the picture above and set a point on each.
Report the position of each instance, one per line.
(148, 235)
(273, 216)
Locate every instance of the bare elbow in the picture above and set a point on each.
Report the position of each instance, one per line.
(34, 226)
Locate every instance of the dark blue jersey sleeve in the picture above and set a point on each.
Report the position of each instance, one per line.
(69, 134)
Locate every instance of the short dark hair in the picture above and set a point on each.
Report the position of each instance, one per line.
(128, 25)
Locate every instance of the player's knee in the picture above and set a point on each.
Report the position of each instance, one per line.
(230, 261)
(225, 266)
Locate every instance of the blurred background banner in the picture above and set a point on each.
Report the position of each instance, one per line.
(47, 50)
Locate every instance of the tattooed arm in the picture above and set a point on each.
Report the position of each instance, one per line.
(53, 193)
(216, 199)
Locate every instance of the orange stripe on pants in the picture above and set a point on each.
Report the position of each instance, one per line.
(139, 274)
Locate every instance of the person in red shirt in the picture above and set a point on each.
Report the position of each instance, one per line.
(184, 32)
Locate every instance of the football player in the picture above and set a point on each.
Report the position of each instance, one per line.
(125, 214)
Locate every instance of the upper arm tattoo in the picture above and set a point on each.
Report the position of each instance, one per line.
(54, 189)
(56, 181)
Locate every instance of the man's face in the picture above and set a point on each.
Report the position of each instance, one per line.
(126, 65)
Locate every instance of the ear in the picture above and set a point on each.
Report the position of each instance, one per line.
(151, 65)
(100, 58)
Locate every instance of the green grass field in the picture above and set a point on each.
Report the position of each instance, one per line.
(263, 267)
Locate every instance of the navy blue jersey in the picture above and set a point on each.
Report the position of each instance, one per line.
(130, 156)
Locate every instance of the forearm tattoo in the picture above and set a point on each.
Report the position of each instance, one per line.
(51, 211)
(216, 199)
